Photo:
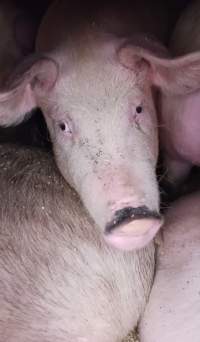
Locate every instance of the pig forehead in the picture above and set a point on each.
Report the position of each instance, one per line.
(95, 85)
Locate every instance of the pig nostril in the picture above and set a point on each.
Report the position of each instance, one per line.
(128, 214)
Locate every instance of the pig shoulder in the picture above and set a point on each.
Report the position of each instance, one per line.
(173, 308)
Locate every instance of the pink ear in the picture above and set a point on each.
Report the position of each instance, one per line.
(179, 75)
(33, 79)
(139, 47)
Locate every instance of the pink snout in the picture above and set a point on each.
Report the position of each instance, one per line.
(132, 228)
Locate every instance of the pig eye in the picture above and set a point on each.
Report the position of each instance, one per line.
(62, 126)
(139, 109)
(65, 128)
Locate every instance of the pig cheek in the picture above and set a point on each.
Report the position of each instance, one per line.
(134, 120)
(134, 117)
(147, 125)
(153, 139)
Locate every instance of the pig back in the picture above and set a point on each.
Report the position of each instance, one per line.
(173, 309)
(59, 281)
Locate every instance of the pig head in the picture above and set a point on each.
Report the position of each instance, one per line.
(97, 95)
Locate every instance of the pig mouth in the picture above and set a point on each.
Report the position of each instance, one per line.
(128, 214)
(132, 228)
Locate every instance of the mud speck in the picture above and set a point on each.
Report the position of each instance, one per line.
(132, 337)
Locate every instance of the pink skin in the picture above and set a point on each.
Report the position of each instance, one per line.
(90, 87)
(137, 236)
(173, 311)
(180, 120)
(180, 138)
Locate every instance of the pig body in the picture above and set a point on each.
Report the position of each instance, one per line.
(59, 281)
(173, 311)
(94, 77)
(180, 121)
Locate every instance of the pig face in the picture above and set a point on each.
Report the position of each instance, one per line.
(104, 133)
(101, 116)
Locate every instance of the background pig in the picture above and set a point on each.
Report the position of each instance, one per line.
(93, 78)
(59, 281)
(180, 120)
(173, 311)
(17, 37)
(17, 33)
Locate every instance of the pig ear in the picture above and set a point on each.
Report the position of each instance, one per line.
(180, 75)
(33, 79)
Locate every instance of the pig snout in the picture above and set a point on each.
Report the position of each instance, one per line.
(125, 205)
(132, 227)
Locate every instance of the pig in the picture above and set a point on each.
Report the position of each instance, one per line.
(173, 310)
(17, 32)
(179, 112)
(59, 281)
(17, 35)
(94, 76)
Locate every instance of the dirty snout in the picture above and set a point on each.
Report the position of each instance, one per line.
(125, 208)
(132, 228)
